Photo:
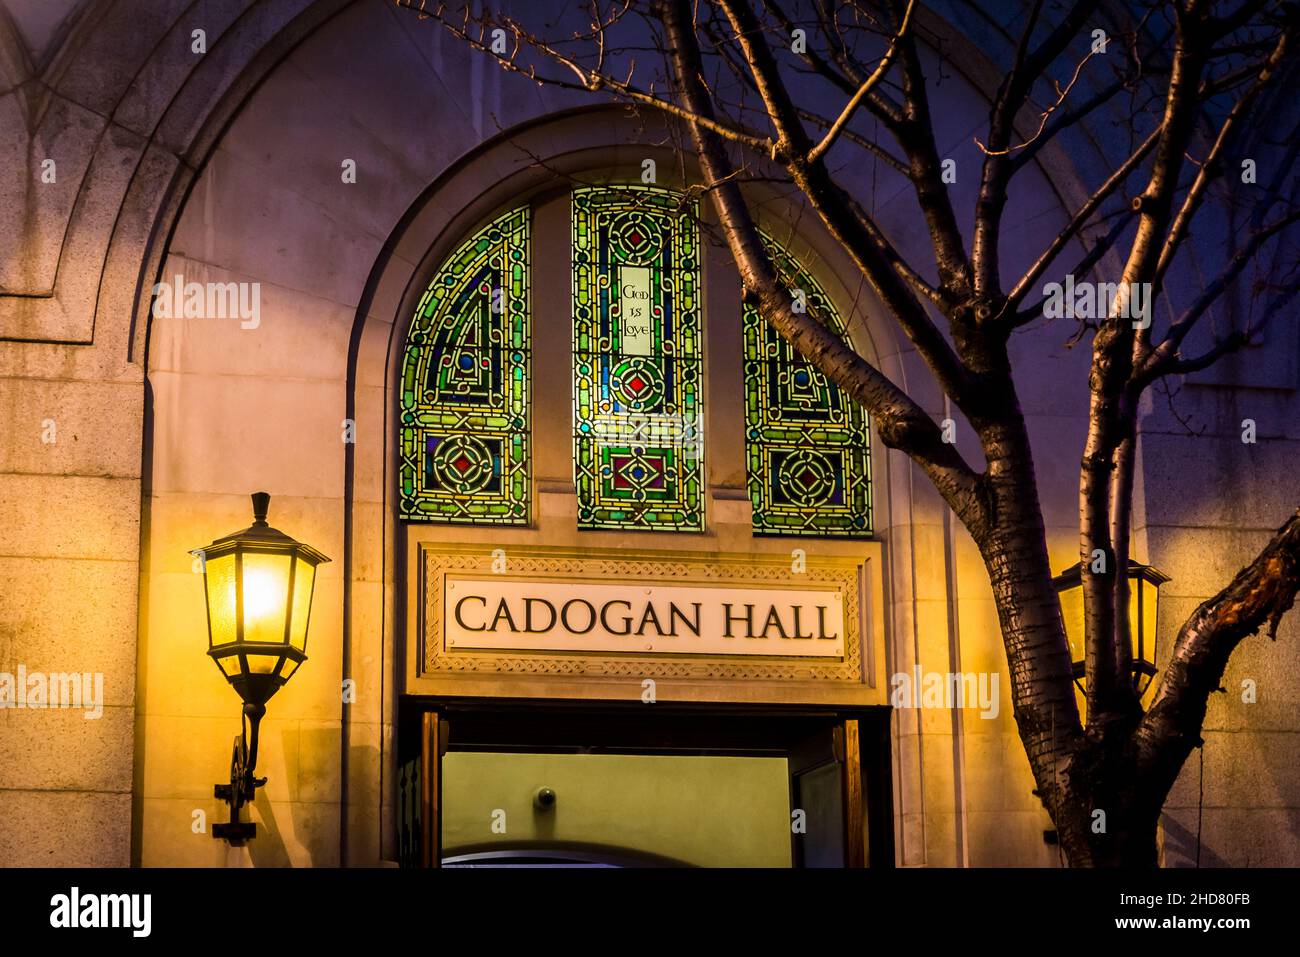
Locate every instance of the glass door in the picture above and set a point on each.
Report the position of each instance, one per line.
(562, 784)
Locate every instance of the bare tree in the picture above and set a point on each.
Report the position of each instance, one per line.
(1194, 71)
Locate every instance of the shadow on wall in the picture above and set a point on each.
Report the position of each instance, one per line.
(304, 830)
(267, 849)
(1181, 839)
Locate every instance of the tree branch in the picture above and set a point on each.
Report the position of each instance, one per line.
(1164, 358)
(996, 174)
(1213, 163)
(915, 134)
(1080, 218)
(1081, 268)
(1257, 597)
(878, 261)
(586, 79)
(847, 77)
(901, 423)
(827, 141)
(724, 53)
(1109, 410)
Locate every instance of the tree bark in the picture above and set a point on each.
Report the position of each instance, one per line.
(1029, 615)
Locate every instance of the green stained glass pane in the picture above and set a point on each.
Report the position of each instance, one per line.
(808, 446)
(464, 402)
(638, 387)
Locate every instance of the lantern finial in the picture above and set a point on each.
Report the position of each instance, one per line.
(261, 502)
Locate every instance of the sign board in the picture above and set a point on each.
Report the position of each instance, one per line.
(538, 614)
(568, 622)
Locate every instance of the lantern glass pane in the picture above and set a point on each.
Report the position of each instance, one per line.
(304, 578)
(1149, 592)
(262, 664)
(1135, 585)
(219, 574)
(1072, 611)
(229, 665)
(288, 668)
(266, 595)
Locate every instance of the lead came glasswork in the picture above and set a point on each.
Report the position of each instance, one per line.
(465, 429)
(808, 445)
(637, 448)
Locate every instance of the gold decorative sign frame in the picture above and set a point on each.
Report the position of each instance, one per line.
(434, 668)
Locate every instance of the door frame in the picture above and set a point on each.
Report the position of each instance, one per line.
(857, 737)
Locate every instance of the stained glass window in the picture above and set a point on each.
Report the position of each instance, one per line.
(807, 444)
(465, 385)
(638, 450)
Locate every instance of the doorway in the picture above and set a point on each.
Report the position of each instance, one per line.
(562, 783)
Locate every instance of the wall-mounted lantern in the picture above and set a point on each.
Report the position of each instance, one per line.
(1143, 596)
(258, 583)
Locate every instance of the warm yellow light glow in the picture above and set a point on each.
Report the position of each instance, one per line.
(304, 578)
(259, 585)
(266, 595)
(220, 573)
(1072, 612)
(262, 594)
(1135, 622)
(1144, 585)
(1150, 591)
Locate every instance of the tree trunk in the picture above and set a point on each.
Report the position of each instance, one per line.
(1014, 550)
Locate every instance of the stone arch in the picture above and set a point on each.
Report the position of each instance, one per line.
(543, 157)
(143, 128)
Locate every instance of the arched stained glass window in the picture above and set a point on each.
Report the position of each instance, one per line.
(638, 450)
(465, 404)
(808, 445)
